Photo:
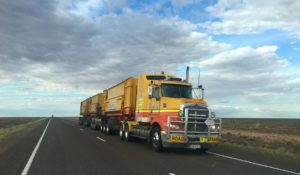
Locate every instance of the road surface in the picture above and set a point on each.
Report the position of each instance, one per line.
(67, 148)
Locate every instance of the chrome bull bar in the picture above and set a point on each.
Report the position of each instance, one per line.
(194, 125)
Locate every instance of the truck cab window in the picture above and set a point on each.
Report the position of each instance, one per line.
(176, 91)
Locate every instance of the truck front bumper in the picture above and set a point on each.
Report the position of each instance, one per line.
(189, 143)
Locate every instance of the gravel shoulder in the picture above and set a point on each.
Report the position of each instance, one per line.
(12, 129)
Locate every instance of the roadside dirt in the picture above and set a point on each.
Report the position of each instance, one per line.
(267, 137)
(10, 135)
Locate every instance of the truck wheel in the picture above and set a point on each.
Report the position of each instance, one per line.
(107, 128)
(102, 126)
(127, 136)
(106, 131)
(156, 139)
(202, 150)
(121, 132)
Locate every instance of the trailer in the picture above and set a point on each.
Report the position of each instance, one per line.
(85, 118)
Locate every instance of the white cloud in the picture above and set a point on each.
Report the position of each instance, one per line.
(75, 52)
(246, 60)
(242, 17)
(61, 49)
(257, 110)
(89, 8)
(244, 80)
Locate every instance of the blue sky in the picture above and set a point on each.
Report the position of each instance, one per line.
(55, 54)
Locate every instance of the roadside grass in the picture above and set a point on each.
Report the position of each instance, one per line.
(13, 128)
(273, 126)
(271, 136)
(7, 122)
(72, 118)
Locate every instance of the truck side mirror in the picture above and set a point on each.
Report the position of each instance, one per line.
(213, 115)
(150, 92)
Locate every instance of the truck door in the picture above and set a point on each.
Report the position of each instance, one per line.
(155, 102)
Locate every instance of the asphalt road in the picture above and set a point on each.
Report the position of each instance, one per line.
(67, 148)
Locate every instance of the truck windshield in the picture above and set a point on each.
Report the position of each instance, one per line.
(176, 91)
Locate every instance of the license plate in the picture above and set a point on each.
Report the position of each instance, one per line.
(177, 138)
(214, 139)
(203, 139)
(194, 146)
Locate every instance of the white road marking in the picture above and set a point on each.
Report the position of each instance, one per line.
(29, 162)
(101, 139)
(172, 174)
(253, 163)
(81, 129)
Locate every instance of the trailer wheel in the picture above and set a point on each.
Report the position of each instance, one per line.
(108, 127)
(156, 139)
(202, 150)
(121, 132)
(127, 136)
(102, 126)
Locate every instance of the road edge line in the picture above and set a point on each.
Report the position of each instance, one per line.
(101, 139)
(30, 160)
(253, 163)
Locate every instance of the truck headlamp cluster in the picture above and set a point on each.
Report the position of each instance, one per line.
(174, 126)
(215, 127)
(180, 113)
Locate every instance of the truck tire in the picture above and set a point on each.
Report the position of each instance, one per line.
(202, 150)
(127, 136)
(97, 127)
(107, 129)
(156, 141)
(102, 126)
(121, 132)
(80, 122)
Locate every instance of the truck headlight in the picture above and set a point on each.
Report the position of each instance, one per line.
(174, 126)
(213, 127)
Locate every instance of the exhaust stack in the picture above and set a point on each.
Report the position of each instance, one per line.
(187, 74)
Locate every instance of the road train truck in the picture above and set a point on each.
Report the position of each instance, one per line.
(157, 107)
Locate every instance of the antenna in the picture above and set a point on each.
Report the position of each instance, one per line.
(187, 74)
(199, 78)
(200, 87)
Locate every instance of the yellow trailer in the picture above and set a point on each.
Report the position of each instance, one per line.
(119, 104)
(97, 110)
(84, 111)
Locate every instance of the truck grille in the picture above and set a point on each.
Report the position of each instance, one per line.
(193, 122)
(196, 119)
